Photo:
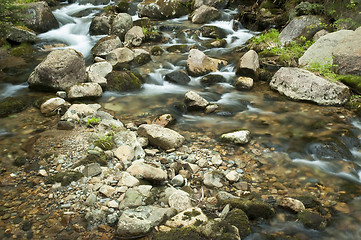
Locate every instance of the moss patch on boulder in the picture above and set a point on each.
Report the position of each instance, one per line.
(253, 209)
(312, 220)
(239, 219)
(12, 105)
(123, 81)
(352, 81)
(179, 234)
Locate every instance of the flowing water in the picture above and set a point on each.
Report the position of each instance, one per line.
(322, 141)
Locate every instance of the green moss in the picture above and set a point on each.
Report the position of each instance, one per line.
(156, 51)
(253, 209)
(189, 215)
(312, 220)
(12, 105)
(239, 219)
(123, 81)
(179, 234)
(105, 143)
(65, 178)
(178, 48)
(23, 50)
(351, 80)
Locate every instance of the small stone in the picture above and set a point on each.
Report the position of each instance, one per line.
(177, 181)
(180, 201)
(42, 172)
(211, 108)
(243, 83)
(187, 218)
(239, 137)
(61, 94)
(241, 186)
(92, 170)
(232, 176)
(113, 204)
(217, 160)
(125, 179)
(108, 191)
(65, 125)
(124, 153)
(292, 204)
(213, 179)
(112, 218)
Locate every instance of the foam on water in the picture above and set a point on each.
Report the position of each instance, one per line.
(8, 90)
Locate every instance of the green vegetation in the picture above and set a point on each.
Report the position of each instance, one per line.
(325, 70)
(93, 121)
(105, 142)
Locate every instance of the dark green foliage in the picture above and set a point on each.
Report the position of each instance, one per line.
(65, 178)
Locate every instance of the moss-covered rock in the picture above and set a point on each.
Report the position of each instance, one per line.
(253, 209)
(178, 48)
(163, 9)
(122, 6)
(212, 79)
(312, 220)
(156, 51)
(352, 81)
(309, 201)
(179, 234)
(93, 158)
(213, 32)
(12, 105)
(65, 178)
(239, 219)
(123, 81)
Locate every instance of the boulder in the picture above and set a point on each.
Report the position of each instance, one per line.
(50, 106)
(243, 83)
(85, 90)
(120, 57)
(178, 77)
(212, 79)
(141, 57)
(122, 23)
(200, 64)
(134, 36)
(78, 111)
(213, 32)
(159, 136)
(204, 14)
(305, 26)
(100, 25)
(21, 35)
(300, 84)
(219, 4)
(138, 222)
(39, 17)
(347, 55)
(140, 169)
(187, 218)
(101, 68)
(248, 65)
(239, 137)
(105, 45)
(163, 9)
(321, 51)
(123, 81)
(60, 70)
(194, 101)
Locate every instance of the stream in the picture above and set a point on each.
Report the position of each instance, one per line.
(325, 142)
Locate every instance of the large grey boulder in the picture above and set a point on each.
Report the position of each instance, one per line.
(198, 63)
(101, 68)
(204, 14)
(138, 222)
(305, 26)
(21, 35)
(163, 9)
(248, 65)
(300, 84)
(195, 102)
(159, 136)
(85, 90)
(100, 25)
(122, 23)
(105, 45)
(347, 54)
(134, 36)
(120, 57)
(140, 169)
(321, 50)
(219, 4)
(39, 17)
(59, 70)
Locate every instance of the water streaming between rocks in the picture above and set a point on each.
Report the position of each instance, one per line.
(321, 144)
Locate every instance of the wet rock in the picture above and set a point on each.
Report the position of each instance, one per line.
(140, 169)
(178, 48)
(162, 9)
(248, 65)
(305, 26)
(39, 17)
(177, 181)
(199, 64)
(107, 190)
(177, 233)
(92, 170)
(105, 45)
(194, 101)
(180, 201)
(125, 179)
(134, 36)
(21, 35)
(156, 51)
(122, 23)
(292, 204)
(204, 14)
(137, 222)
(141, 57)
(94, 2)
(187, 218)
(100, 25)
(321, 51)
(219, 4)
(212, 79)
(178, 77)
(159, 136)
(85, 90)
(300, 84)
(164, 120)
(123, 81)
(243, 83)
(213, 32)
(58, 71)
(312, 220)
(50, 106)
(65, 125)
(329, 150)
(239, 137)
(239, 219)
(347, 55)
(123, 6)
(135, 197)
(78, 111)
(253, 209)
(213, 179)
(120, 57)
(211, 108)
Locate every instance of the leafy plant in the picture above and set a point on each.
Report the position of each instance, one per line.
(93, 121)
(323, 69)
(105, 142)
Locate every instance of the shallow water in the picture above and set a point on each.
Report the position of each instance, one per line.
(323, 142)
